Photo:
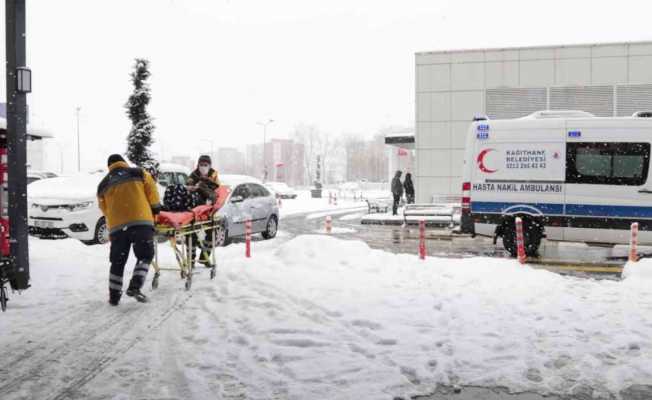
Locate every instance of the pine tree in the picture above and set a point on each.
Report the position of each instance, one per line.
(140, 135)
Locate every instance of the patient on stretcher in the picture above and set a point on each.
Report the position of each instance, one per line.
(179, 212)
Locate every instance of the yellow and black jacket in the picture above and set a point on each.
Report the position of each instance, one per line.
(128, 197)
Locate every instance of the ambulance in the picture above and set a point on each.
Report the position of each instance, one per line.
(569, 175)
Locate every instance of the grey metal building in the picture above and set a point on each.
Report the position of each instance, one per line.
(452, 86)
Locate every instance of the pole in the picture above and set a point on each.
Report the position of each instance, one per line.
(248, 238)
(329, 224)
(264, 152)
(422, 239)
(78, 142)
(264, 125)
(16, 142)
(633, 242)
(520, 244)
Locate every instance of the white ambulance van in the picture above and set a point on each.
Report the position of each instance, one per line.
(569, 175)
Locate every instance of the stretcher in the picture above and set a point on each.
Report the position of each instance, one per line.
(186, 230)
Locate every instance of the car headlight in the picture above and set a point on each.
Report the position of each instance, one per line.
(79, 206)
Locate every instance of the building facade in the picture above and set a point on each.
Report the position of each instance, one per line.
(454, 86)
(283, 158)
(229, 160)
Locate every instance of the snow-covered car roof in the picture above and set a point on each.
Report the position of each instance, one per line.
(78, 186)
(235, 180)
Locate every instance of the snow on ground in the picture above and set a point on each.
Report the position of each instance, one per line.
(306, 204)
(352, 217)
(319, 317)
(336, 230)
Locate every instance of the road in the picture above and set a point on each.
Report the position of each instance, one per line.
(567, 258)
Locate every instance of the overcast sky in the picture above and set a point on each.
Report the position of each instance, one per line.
(219, 66)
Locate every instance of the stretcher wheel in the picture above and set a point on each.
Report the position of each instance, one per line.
(155, 281)
(213, 273)
(188, 284)
(183, 274)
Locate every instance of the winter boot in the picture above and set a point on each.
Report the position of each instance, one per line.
(114, 297)
(137, 294)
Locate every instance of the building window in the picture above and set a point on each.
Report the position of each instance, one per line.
(602, 163)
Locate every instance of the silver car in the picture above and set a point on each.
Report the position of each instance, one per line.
(249, 199)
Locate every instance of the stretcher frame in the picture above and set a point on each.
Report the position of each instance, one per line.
(181, 240)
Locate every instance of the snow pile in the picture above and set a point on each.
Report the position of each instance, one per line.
(319, 317)
(641, 270)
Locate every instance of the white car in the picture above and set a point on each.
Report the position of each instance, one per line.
(282, 190)
(67, 206)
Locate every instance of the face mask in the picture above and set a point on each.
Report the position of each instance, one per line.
(204, 170)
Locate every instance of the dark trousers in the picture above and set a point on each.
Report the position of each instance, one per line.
(410, 198)
(397, 199)
(142, 240)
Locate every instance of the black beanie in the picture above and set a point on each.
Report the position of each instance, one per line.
(205, 159)
(114, 158)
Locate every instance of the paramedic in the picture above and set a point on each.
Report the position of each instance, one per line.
(409, 188)
(204, 180)
(129, 200)
(397, 191)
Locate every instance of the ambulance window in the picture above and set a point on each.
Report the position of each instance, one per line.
(607, 163)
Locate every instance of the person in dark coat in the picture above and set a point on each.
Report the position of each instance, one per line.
(409, 188)
(397, 191)
(204, 180)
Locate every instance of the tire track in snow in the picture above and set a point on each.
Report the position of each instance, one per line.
(118, 345)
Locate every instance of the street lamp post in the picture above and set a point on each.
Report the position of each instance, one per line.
(78, 142)
(212, 142)
(264, 125)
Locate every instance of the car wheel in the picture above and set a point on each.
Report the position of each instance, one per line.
(272, 228)
(101, 232)
(221, 236)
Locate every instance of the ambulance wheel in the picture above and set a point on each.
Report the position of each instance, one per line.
(532, 235)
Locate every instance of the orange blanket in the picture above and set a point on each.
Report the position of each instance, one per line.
(199, 213)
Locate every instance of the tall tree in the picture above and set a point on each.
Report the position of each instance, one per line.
(140, 135)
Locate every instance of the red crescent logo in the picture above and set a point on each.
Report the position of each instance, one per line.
(480, 161)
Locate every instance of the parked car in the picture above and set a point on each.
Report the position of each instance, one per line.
(33, 176)
(282, 190)
(249, 199)
(67, 206)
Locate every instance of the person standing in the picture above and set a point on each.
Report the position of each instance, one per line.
(129, 200)
(397, 191)
(409, 188)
